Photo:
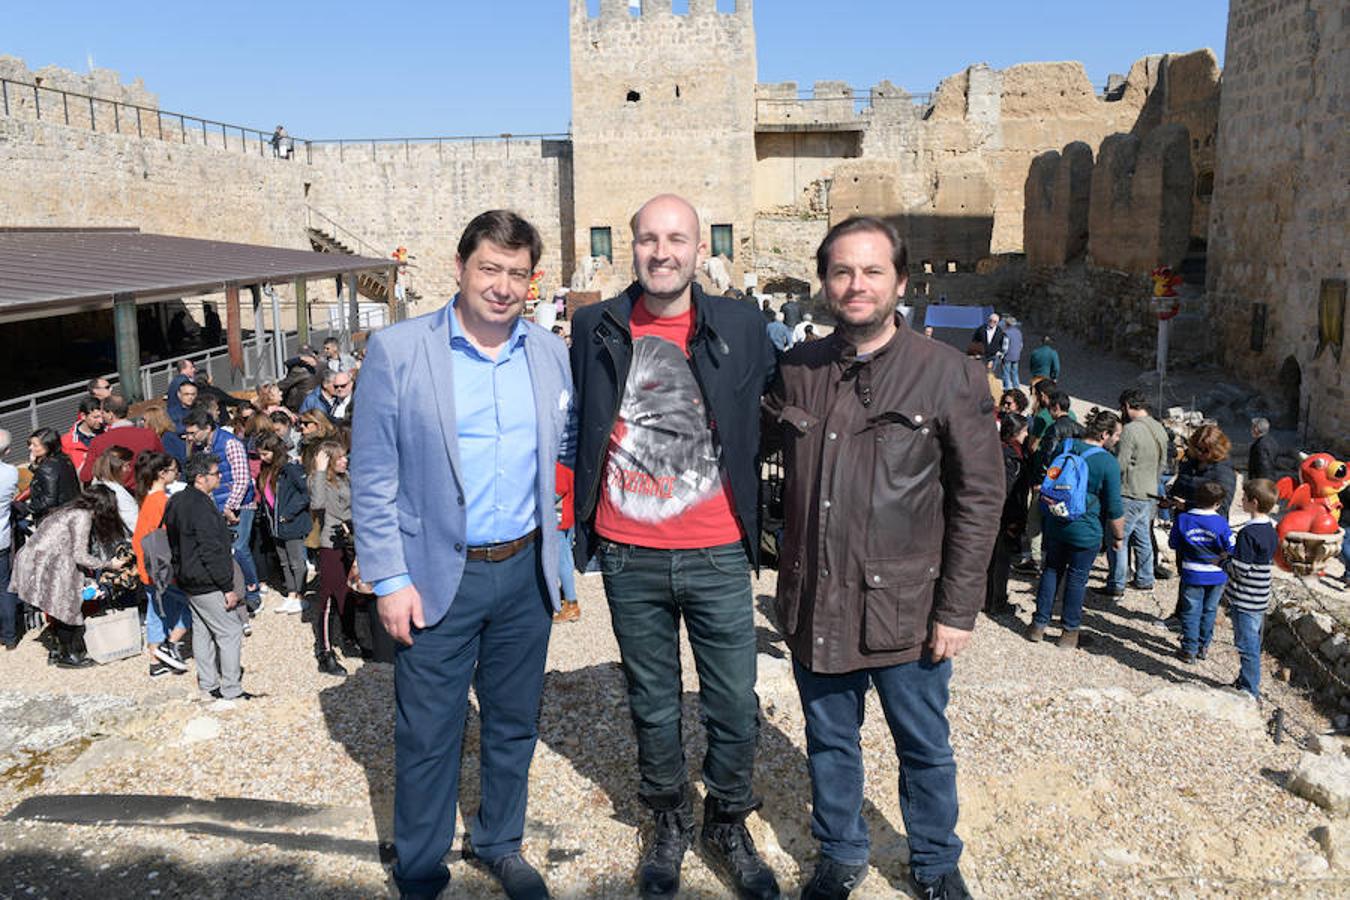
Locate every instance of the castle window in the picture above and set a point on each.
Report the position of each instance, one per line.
(951, 265)
(602, 243)
(928, 267)
(633, 97)
(722, 243)
(677, 92)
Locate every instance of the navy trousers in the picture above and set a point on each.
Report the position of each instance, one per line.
(495, 636)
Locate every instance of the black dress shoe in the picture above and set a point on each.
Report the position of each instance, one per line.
(519, 879)
(74, 661)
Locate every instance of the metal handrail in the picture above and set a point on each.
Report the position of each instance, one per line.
(12, 92)
(864, 97)
(370, 249)
(407, 142)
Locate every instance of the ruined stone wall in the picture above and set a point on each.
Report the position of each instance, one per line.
(1055, 218)
(785, 252)
(1278, 226)
(689, 129)
(1139, 215)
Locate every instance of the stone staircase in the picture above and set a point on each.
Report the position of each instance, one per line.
(369, 285)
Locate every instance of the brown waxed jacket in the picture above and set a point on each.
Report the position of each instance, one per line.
(892, 497)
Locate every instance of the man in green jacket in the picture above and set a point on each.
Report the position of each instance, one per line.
(1142, 453)
(1045, 361)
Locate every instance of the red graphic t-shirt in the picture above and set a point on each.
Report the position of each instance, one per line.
(663, 484)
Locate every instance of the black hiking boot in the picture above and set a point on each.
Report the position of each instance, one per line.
(731, 852)
(945, 887)
(833, 880)
(672, 833)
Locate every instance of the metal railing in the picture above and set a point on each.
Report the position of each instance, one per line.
(25, 99)
(352, 145)
(861, 100)
(57, 407)
(339, 232)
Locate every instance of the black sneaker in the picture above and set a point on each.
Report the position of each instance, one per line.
(1187, 658)
(671, 835)
(1171, 623)
(1202, 653)
(1109, 593)
(731, 853)
(519, 879)
(329, 665)
(833, 880)
(945, 887)
(169, 654)
(158, 668)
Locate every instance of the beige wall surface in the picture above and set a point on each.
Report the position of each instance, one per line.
(1278, 223)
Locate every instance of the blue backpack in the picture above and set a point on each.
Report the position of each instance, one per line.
(1064, 490)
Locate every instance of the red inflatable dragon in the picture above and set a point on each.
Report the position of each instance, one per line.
(1312, 506)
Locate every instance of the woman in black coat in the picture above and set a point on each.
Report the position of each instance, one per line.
(55, 482)
(1012, 431)
(1206, 460)
(285, 497)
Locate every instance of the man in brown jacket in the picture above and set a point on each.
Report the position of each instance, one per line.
(893, 491)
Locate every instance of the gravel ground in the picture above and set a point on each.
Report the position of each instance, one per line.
(1073, 780)
(1081, 775)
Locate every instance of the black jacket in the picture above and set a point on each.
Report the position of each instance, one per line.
(290, 518)
(1191, 474)
(1261, 458)
(734, 364)
(55, 483)
(200, 541)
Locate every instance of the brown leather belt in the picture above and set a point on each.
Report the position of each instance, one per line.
(503, 551)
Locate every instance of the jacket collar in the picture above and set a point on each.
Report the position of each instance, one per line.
(847, 354)
(620, 309)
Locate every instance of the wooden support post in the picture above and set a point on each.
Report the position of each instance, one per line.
(391, 296)
(353, 309)
(234, 338)
(301, 311)
(128, 339)
(255, 294)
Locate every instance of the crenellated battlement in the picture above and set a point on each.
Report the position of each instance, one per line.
(619, 11)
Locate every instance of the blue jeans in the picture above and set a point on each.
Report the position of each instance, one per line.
(566, 567)
(9, 602)
(1247, 638)
(165, 613)
(494, 636)
(1199, 605)
(1138, 521)
(1010, 378)
(1071, 565)
(242, 532)
(914, 700)
(649, 591)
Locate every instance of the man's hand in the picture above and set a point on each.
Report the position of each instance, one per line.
(231, 517)
(231, 599)
(946, 642)
(400, 612)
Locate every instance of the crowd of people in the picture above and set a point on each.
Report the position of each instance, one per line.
(180, 510)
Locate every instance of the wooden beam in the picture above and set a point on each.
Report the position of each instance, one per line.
(353, 308)
(391, 283)
(128, 338)
(234, 337)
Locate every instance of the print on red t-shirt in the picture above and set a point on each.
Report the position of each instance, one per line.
(663, 484)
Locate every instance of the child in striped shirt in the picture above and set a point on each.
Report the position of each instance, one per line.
(1249, 574)
(1202, 539)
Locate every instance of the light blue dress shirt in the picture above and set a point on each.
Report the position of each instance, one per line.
(495, 419)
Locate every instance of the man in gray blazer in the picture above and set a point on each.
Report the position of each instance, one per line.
(460, 417)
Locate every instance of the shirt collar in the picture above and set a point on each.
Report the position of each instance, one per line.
(459, 339)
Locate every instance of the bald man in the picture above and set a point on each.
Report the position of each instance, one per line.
(668, 383)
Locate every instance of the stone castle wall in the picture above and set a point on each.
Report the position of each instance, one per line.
(1278, 226)
(688, 129)
(418, 195)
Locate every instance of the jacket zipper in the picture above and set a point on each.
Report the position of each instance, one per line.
(620, 384)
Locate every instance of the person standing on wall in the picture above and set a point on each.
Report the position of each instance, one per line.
(669, 382)
(893, 488)
(462, 415)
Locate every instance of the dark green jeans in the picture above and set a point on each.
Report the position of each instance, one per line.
(649, 592)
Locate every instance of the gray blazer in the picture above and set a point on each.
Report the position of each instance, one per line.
(407, 482)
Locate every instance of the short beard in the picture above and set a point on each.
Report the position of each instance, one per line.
(862, 332)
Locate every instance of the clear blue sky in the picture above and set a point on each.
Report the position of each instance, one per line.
(347, 69)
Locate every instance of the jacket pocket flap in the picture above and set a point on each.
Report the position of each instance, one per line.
(409, 523)
(798, 419)
(895, 572)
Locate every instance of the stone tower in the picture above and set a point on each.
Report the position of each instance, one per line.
(663, 103)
